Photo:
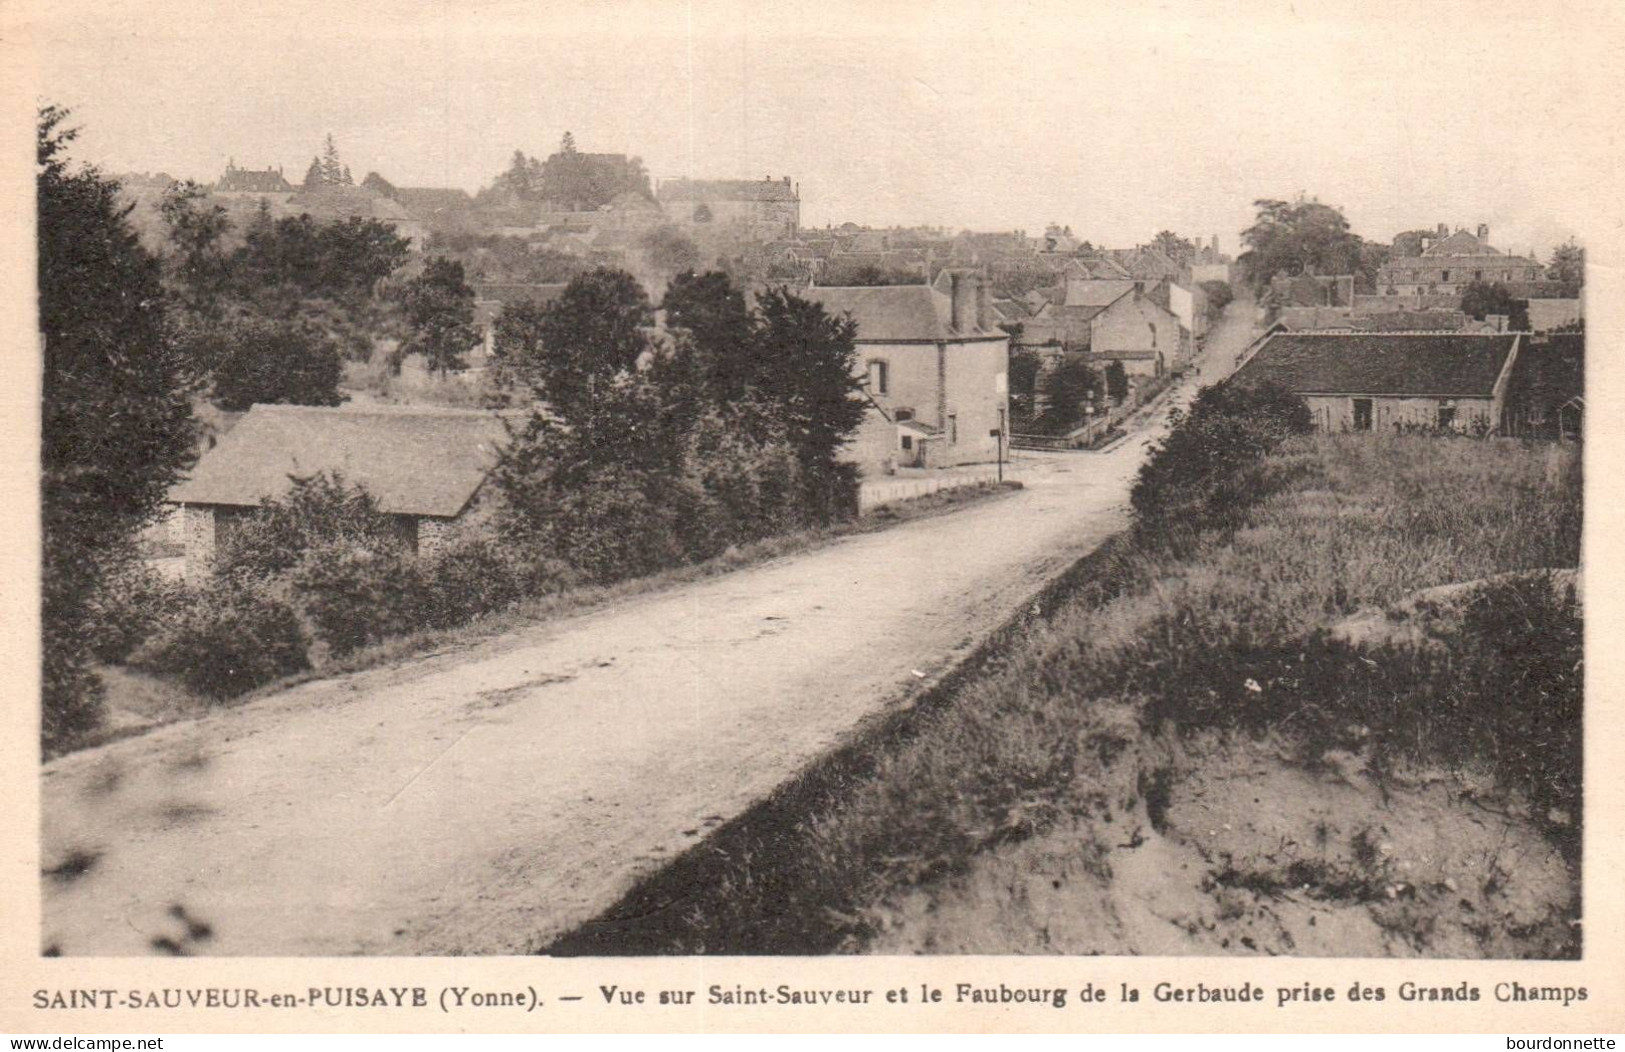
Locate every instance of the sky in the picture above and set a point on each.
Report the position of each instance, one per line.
(1117, 119)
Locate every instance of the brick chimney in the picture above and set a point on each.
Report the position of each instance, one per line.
(1444, 230)
(966, 306)
(1484, 232)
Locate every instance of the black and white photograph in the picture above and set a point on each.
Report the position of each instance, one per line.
(772, 480)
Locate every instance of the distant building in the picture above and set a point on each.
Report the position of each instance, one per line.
(251, 181)
(1380, 381)
(765, 210)
(1451, 262)
(424, 467)
(935, 365)
(1113, 321)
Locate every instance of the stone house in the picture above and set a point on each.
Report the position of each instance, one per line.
(1361, 381)
(425, 467)
(239, 181)
(935, 367)
(1451, 262)
(764, 211)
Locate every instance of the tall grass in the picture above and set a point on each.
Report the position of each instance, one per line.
(1149, 637)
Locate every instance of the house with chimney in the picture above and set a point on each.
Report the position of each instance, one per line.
(762, 211)
(1448, 262)
(1114, 321)
(934, 365)
(239, 182)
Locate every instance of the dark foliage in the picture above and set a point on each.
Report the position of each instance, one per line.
(439, 308)
(1481, 299)
(269, 361)
(116, 423)
(1207, 468)
(354, 592)
(226, 639)
(1219, 295)
(315, 512)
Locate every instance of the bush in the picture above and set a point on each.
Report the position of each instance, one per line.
(226, 639)
(1206, 471)
(479, 575)
(316, 511)
(131, 600)
(752, 486)
(355, 593)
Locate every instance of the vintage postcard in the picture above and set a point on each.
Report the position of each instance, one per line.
(758, 515)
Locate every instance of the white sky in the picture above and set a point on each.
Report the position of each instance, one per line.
(1117, 118)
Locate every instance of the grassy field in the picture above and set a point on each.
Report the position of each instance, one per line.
(1179, 756)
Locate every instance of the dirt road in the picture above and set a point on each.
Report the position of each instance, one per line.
(485, 800)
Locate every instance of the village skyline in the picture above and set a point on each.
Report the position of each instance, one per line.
(1098, 142)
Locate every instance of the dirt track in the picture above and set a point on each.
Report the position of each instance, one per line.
(485, 800)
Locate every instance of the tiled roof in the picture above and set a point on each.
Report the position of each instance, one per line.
(413, 461)
(888, 313)
(1096, 293)
(673, 190)
(1431, 365)
(241, 180)
(1461, 243)
(1491, 260)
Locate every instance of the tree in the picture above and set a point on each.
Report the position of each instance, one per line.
(378, 185)
(807, 363)
(1116, 381)
(669, 250)
(1219, 295)
(332, 168)
(315, 178)
(1067, 388)
(1568, 266)
(439, 307)
(1294, 237)
(570, 351)
(116, 418)
(257, 360)
(1025, 366)
(1480, 299)
(1179, 249)
(196, 230)
(722, 333)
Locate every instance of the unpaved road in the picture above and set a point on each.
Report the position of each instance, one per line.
(485, 800)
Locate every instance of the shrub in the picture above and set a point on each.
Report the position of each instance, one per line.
(314, 512)
(479, 575)
(354, 593)
(1205, 471)
(131, 600)
(226, 639)
(752, 486)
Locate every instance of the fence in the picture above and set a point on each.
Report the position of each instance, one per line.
(873, 494)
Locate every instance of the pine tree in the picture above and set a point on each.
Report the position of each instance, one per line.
(332, 170)
(314, 177)
(567, 144)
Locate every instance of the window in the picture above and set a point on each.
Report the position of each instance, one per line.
(877, 376)
(1362, 414)
(1444, 275)
(1478, 275)
(953, 428)
(901, 415)
(908, 442)
(1447, 414)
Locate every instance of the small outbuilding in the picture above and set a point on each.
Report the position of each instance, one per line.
(425, 467)
(1370, 381)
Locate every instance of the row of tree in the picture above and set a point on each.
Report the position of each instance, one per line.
(569, 179)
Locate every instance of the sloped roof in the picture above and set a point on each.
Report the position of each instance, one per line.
(1096, 293)
(1461, 243)
(673, 190)
(1491, 260)
(243, 180)
(1430, 365)
(412, 460)
(891, 313)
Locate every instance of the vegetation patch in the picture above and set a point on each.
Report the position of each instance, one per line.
(1050, 796)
